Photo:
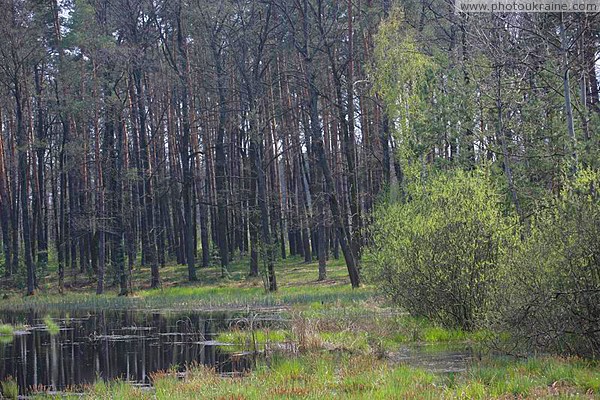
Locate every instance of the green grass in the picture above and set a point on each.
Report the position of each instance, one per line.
(52, 327)
(313, 376)
(6, 333)
(297, 285)
(6, 330)
(532, 378)
(343, 338)
(253, 340)
(372, 327)
(318, 375)
(9, 388)
(436, 334)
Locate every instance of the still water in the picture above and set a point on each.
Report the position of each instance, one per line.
(126, 345)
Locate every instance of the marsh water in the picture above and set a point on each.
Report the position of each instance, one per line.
(82, 347)
(126, 345)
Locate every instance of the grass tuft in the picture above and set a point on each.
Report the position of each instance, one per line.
(6, 330)
(9, 388)
(52, 326)
(253, 340)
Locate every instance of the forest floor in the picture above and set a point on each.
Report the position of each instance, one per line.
(341, 342)
(215, 289)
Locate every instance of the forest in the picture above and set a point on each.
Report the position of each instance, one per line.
(296, 178)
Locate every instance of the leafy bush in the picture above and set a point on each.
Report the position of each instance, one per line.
(552, 296)
(439, 254)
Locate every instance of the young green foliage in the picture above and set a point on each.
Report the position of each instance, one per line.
(439, 255)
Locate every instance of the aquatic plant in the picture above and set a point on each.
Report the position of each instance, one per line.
(6, 330)
(6, 333)
(52, 326)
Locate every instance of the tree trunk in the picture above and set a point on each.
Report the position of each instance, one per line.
(146, 176)
(186, 158)
(318, 148)
(22, 146)
(220, 165)
(567, 93)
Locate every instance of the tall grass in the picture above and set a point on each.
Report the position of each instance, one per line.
(318, 375)
(9, 389)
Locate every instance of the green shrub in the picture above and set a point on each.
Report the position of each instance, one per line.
(552, 296)
(439, 254)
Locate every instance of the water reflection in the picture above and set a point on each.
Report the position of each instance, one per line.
(125, 345)
(446, 358)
